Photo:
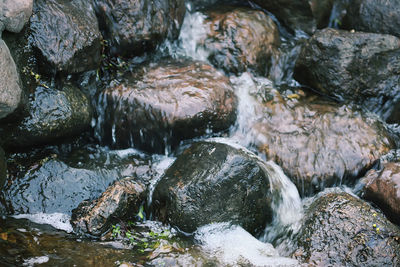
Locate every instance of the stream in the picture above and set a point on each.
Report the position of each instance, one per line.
(45, 184)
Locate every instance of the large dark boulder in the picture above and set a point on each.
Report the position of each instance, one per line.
(14, 14)
(53, 114)
(136, 26)
(383, 188)
(238, 39)
(66, 35)
(317, 143)
(121, 200)
(10, 90)
(160, 104)
(361, 67)
(341, 230)
(378, 16)
(213, 182)
(297, 15)
(50, 181)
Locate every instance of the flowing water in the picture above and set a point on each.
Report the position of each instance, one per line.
(215, 244)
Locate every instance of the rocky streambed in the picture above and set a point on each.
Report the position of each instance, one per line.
(199, 133)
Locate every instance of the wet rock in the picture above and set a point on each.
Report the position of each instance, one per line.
(49, 181)
(239, 39)
(383, 188)
(378, 16)
(214, 182)
(10, 91)
(296, 15)
(15, 13)
(121, 199)
(160, 104)
(339, 231)
(361, 67)
(66, 35)
(321, 10)
(53, 114)
(207, 4)
(318, 143)
(133, 27)
(3, 169)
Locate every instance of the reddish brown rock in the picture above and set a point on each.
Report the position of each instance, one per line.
(161, 104)
(383, 188)
(121, 199)
(318, 144)
(240, 39)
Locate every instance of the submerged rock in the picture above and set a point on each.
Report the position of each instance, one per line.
(341, 230)
(14, 14)
(10, 90)
(296, 15)
(121, 199)
(379, 16)
(383, 188)
(54, 182)
(66, 35)
(53, 114)
(214, 182)
(238, 39)
(361, 67)
(161, 104)
(318, 143)
(135, 26)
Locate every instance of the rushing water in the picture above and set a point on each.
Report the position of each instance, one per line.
(219, 244)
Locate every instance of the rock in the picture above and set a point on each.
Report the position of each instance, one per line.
(318, 143)
(322, 10)
(15, 13)
(53, 114)
(339, 231)
(66, 35)
(296, 15)
(214, 182)
(121, 199)
(51, 181)
(135, 26)
(3, 168)
(161, 104)
(206, 4)
(378, 16)
(238, 39)
(383, 188)
(10, 91)
(361, 67)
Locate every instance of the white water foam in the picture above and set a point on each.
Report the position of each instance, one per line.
(35, 260)
(232, 245)
(57, 220)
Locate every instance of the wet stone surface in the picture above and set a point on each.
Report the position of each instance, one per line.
(341, 230)
(161, 104)
(66, 35)
(359, 67)
(53, 114)
(383, 188)
(239, 39)
(318, 143)
(133, 27)
(49, 183)
(379, 16)
(208, 178)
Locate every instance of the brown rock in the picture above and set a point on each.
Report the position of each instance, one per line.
(318, 144)
(383, 188)
(241, 38)
(121, 199)
(339, 231)
(160, 104)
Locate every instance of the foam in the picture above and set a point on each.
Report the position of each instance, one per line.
(57, 220)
